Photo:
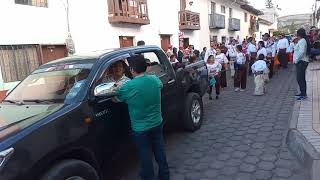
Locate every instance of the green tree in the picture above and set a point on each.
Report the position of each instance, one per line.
(269, 4)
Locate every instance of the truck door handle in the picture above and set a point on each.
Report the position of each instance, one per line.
(171, 81)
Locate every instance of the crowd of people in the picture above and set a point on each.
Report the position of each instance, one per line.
(241, 60)
(249, 58)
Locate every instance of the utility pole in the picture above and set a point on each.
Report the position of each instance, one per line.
(69, 40)
(315, 14)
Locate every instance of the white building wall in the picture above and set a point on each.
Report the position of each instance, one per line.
(204, 36)
(237, 12)
(263, 28)
(23, 24)
(92, 30)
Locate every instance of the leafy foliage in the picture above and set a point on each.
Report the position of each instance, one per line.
(269, 4)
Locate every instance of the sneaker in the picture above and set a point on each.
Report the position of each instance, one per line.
(297, 95)
(301, 98)
(237, 89)
(217, 97)
(242, 90)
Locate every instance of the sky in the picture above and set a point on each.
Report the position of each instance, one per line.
(288, 7)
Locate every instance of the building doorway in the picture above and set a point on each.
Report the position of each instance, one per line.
(53, 52)
(186, 42)
(125, 41)
(165, 42)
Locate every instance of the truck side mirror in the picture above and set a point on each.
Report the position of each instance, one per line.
(105, 90)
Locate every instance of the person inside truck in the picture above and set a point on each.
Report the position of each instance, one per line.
(118, 73)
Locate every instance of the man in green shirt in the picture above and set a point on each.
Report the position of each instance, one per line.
(143, 96)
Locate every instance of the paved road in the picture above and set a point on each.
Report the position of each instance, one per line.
(242, 138)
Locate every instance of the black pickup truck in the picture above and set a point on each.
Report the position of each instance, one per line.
(56, 126)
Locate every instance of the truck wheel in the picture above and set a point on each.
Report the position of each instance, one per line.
(193, 112)
(71, 170)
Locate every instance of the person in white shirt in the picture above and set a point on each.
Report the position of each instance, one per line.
(232, 54)
(282, 46)
(260, 69)
(223, 60)
(262, 49)
(290, 51)
(214, 70)
(271, 52)
(173, 59)
(240, 80)
(210, 51)
(252, 52)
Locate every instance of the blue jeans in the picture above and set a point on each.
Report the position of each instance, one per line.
(151, 142)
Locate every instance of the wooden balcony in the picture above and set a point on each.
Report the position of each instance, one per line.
(254, 26)
(217, 21)
(234, 24)
(128, 11)
(189, 20)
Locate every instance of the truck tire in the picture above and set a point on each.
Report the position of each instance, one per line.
(71, 170)
(193, 112)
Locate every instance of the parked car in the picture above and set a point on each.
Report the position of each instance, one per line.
(57, 125)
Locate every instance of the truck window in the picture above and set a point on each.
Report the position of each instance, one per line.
(118, 72)
(57, 83)
(155, 66)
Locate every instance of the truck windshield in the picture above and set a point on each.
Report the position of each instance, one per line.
(53, 84)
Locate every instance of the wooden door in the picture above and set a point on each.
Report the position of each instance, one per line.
(53, 52)
(165, 42)
(185, 42)
(125, 41)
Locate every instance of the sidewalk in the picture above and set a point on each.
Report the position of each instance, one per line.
(303, 137)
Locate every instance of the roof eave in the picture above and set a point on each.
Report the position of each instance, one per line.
(251, 9)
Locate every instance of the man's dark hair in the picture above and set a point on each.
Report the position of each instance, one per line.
(174, 50)
(261, 43)
(266, 35)
(197, 53)
(138, 64)
(239, 47)
(250, 39)
(261, 57)
(302, 33)
(141, 43)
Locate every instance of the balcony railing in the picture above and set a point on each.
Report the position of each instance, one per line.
(234, 24)
(217, 21)
(189, 20)
(128, 11)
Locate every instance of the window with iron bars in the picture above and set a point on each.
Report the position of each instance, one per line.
(38, 3)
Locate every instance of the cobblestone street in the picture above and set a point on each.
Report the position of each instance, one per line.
(242, 137)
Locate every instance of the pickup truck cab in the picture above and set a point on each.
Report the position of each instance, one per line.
(58, 125)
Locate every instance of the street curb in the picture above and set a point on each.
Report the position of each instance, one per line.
(297, 143)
